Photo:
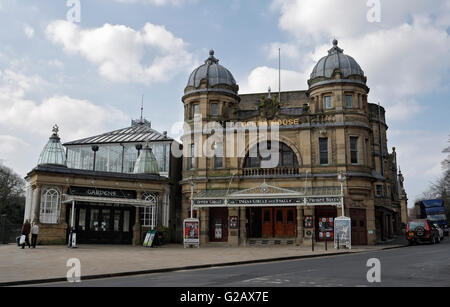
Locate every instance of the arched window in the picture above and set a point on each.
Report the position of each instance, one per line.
(287, 157)
(148, 214)
(50, 209)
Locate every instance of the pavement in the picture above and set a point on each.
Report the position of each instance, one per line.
(49, 263)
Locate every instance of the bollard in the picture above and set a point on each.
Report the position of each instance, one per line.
(326, 244)
(312, 242)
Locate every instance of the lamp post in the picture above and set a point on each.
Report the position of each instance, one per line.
(192, 183)
(341, 179)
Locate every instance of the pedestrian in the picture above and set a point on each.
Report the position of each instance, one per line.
(26, 228)
(34, 234)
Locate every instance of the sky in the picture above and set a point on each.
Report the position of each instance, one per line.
(85, 64)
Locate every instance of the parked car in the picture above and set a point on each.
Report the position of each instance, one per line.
(440, 230)
(421, 231)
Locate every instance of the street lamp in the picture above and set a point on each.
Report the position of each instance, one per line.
(192, 183)
(341, 179)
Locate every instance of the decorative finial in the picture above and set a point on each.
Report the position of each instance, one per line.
(55, 129)
(335, 48)
(211, 58)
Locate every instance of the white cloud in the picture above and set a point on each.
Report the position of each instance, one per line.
(404, 56)
(156, 2)
(28, 30)
(261, 78)
(26, 123)
(313, 21)
(77, 118)
(419, 153)
(10, 144)
(119, 51)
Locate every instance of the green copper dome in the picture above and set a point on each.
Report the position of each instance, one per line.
(146, 162)
(53, 153)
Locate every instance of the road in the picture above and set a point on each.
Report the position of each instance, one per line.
(423, 265)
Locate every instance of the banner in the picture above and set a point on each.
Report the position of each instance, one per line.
(149, 237)
(191, 232)
(343, 232)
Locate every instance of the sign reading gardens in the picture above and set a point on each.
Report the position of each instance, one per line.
(293, 201)
(93, 192)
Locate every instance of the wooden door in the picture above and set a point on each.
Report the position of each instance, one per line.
(280, 222)
(267, 222)
(359, 227)
(291, 222)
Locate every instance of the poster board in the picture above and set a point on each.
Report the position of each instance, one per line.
(149, 238)
(191, 232)
(343, 232)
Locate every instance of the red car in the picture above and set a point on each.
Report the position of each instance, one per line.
(420, 231)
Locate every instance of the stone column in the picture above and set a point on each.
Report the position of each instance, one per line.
(37, 204)
(137, 225)
(243, 227)
(233, 237)
(299, 225)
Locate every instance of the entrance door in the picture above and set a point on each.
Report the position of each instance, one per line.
(218, 225)
(359, 228)
(285, 222)
(96, 224)
(267, 223)
(254, 223)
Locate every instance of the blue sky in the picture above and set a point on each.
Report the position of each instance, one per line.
(89, 76)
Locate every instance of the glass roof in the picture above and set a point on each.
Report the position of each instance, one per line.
(146, 162)
(139, 132)
(53, 153)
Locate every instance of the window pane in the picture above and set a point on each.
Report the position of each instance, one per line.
(94, 220)
(106, 219)
(82, 220)
(328, 102)
(290, 216)
(323, 149)
(348, 101)
(214, 109)
(116, 220)
(279, 216)
(266, 216)
(126, 221)
(354, 149)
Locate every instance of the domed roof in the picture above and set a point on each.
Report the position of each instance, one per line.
(336, 59)
(53, 153)
(213, 72)
(146, 162)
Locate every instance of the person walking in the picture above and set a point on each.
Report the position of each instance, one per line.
(26, 228)
(34, 234)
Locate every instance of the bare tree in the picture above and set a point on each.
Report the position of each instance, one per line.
(12, 198)
(441, 187)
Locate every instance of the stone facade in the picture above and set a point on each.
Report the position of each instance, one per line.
(347, 116)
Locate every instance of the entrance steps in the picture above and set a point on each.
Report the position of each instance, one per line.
(270, 241)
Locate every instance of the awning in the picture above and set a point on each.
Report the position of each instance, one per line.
(108, 200)
(268, 196)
